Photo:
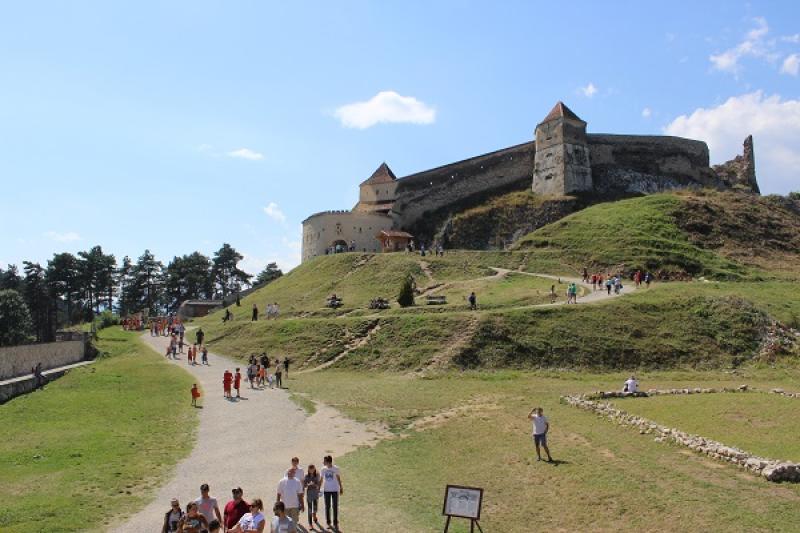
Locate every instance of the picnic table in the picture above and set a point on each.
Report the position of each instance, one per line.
(379, 303)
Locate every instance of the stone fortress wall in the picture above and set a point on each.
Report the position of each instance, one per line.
(323, 230)
(562, 160)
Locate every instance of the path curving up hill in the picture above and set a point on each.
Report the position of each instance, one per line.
(247, 443)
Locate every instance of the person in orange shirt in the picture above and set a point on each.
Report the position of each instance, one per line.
(195, 395)
(237, 382)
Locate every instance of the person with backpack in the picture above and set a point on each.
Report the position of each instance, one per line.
(172, 517)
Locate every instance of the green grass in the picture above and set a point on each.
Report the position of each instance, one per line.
(95, 443)
(758, 423)
(639, 233)
(612, 478)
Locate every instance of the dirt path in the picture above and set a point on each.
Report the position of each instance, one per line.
(247, 443)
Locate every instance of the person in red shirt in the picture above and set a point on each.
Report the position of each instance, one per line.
(227, 379)
(195, 395)
(235, 509)
(237, 381)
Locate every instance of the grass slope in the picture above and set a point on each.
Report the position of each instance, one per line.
(640, 233)
(475, 432)
(94, 443)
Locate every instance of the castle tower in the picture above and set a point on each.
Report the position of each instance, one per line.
(561, 163)
(377, 193)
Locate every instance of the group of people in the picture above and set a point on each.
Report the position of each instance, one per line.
(572, 293)
(298, 491)
(166, 326)
(257, 374)
(132, 323)
(272, 311)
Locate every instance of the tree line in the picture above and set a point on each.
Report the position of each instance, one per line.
(70, 289)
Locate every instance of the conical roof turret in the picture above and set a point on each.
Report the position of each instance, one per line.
(383, 174)
(560, 110)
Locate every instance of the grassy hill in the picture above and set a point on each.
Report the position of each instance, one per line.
(717, 235)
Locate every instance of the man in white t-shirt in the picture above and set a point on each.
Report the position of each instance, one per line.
(631, 385)
(299, 474)
(290, 492)
(540, 428)
(207, 506)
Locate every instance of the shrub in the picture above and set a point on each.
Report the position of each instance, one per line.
(15, 319)
(406, 297)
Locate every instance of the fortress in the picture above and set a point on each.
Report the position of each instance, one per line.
(562, 160)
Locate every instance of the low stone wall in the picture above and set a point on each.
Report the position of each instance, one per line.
(771, 469)
(18, 360)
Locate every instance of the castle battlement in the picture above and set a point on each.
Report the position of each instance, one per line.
(563, 159)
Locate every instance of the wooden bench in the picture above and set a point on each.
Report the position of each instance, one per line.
(433, 299)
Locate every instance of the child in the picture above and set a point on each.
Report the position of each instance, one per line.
(227, 378)
(262, 373)
(205, 355)
(237, 382)
(195, 395)
(180, 345)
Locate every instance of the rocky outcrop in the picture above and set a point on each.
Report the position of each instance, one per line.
(769, 469)
(740, 172)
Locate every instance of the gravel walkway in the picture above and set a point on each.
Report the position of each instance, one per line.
(247, 443)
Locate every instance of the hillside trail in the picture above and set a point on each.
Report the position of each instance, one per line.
(356, 342)
(591, 296)
(246, 443)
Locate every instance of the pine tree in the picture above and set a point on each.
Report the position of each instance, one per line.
(406, 297)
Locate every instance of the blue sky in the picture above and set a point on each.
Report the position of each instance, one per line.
(177, 126)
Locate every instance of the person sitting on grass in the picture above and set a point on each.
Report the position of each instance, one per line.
(540, 428)
(631, 385)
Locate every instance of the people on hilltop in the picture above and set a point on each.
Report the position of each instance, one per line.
(539, 432)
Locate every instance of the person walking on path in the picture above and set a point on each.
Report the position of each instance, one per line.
(195, 395)
(282, 523)
(207, 505)
(299, 475)
(234, 509)
(237, 382)
(278, 374)
(253, 521)
(311, 483)
(332, 488)
(192, 521)
(540, 428)
(200, 336)
(553, 294)
(204, 351)
(255, 313)
(290, 493)
(473, 301)
(286, 366)
(227, 379)
(173, 517)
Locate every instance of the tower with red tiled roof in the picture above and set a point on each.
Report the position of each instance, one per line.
(377, 193)
(561, 163)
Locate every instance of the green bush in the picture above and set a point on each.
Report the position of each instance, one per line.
(106, 319)
(406, 297)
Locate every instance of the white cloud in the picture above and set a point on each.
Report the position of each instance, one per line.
(791, 65)
(245, 153)
(274, 212)
(791, 38)
(385, 107)
(588, 91)
(774, 124)
(647, 112)
(753, 45)
(69, 236)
